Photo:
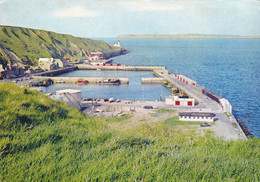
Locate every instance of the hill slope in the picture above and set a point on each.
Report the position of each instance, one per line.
(44, 140)
(26, 46)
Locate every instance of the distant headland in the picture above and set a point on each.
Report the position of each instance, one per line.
(185, 36)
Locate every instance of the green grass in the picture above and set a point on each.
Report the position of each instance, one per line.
(162, 111)
(118, 119)
(45, 140)
(174, 121)
(31, 44)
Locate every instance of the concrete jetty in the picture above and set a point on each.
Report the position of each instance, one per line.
(120, 67)
(225, 127)
(152, 80)
(56, 71)
(89, 79)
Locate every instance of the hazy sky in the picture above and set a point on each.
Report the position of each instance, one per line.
(109, 18)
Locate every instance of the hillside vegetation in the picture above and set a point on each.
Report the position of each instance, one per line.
(25, 46)
(45, 140)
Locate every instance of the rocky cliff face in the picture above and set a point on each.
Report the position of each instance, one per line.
(24, 46)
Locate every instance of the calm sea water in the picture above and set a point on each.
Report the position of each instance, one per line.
(132, 91)
(228, 67)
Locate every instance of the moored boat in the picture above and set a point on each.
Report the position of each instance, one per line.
(110, 82)
(81, 82)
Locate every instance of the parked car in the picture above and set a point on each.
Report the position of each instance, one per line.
(205, 125)
(148, 107)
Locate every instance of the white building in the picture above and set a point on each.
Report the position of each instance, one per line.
(71, 96)
(51, 63)
(117, 44)
(177, 101)
(226, 106)
(196, 116)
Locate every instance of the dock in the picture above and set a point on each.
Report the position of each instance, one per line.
(152, 80)
(224, 125)
(56, 71)
(89, 79)
(119, 67)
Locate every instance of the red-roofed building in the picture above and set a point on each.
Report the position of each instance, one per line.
(94, 56)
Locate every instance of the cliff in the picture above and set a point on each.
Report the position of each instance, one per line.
(24, 46)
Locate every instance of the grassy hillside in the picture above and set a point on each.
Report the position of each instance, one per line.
(26, 46)
(45, 140)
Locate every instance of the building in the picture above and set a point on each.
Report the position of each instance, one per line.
(7, 74)
(177, 101)
(225, 105)
(196, 116)
(62, 62)
(71, 96)
(94, 56)
(51, 63)
(117, 44)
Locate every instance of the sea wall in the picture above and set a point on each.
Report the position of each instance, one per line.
(89, 79)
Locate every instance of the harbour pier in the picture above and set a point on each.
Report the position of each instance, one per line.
(56, 71)
(226, 125)
(119, 67)
(89, 79)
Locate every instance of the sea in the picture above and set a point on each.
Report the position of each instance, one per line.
(228, 67)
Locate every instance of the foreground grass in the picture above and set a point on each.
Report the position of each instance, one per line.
(44, 140)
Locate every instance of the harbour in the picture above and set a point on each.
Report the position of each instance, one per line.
(201, 103)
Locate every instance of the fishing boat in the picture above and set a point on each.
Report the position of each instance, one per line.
(60, 81)
(165, 82)
(169, 86)
(110, 82)
(83, 82)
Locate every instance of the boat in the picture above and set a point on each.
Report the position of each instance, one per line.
(60, 81)
(98, 69)
(111, 99)
(110, 82)
(81, 82)
(165, 83)
(169, 86)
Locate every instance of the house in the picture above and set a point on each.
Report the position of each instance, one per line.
(94, 56)
(196, 116)
(47, 64)
(62, 62)
(51, 63)
(177, 101)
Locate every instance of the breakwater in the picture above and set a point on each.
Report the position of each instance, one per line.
(89, 79)
(56, 71)
(152, 80)
(119, 67)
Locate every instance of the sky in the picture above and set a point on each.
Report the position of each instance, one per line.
(109, 18)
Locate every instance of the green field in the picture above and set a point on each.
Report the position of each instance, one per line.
(45, 140)
(24, 46)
